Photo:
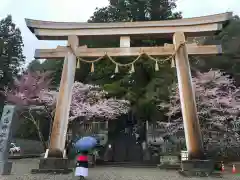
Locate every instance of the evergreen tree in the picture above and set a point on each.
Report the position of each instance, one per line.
(136, 10)
(228, 62)
(53, 66)
(11, 53)
(145, 87)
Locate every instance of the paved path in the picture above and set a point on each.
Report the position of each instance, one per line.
(21, 171)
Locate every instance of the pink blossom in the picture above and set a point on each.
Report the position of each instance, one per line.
(217, 102)
(87, 100)
(27, 89)
(90, 101)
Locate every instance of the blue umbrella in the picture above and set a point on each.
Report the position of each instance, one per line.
(86, 143)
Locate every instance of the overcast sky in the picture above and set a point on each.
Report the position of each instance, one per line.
(81, 10)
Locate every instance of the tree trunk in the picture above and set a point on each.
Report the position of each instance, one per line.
(50, 116)
(40, 134)
(32, 119)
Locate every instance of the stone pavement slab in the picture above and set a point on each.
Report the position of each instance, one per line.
(21, 171)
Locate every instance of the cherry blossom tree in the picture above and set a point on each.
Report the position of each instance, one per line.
(32, 89)
(90, 101)
(28, 88)
(87, 100)
(217, 105)
(25, 94)
(32, 92)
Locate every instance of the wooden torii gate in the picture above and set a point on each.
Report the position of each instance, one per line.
(177, 30)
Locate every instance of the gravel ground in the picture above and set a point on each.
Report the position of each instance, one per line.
(21, 171)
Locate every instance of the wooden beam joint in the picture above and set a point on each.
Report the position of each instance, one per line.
(125, 41)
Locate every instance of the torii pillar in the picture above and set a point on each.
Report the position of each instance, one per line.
(55, 157)
(192, 131)
(196, 165)
(58, 135)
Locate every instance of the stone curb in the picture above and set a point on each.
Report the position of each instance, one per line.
(25, 156)
(52, 171)
(122, 164)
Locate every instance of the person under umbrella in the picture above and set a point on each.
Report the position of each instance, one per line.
(81, 169)
(83, 146)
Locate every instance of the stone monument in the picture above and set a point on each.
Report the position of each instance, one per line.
(7, 127)
(169, 156)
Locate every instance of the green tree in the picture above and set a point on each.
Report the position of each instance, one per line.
(53, 66)
(11, 53)
(228, 62)
(145, 88)
(136, 10)
(34, 66)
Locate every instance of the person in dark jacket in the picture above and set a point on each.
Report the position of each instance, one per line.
(68, 147)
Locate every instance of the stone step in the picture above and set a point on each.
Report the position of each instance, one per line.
(169, 166)
(128, 164)
(200, 174)
(52, 171)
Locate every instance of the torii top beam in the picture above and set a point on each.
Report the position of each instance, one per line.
(192, 27)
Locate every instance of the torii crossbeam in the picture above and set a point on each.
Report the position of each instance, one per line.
(176, 30)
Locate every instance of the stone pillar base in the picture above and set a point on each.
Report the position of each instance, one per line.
(197, 168)
(5, 168)
(53, 165)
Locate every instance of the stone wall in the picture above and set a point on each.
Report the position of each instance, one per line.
(29, 146)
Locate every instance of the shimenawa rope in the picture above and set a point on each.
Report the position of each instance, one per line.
(171, 58)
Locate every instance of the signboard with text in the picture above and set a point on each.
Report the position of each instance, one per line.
(6, 129)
